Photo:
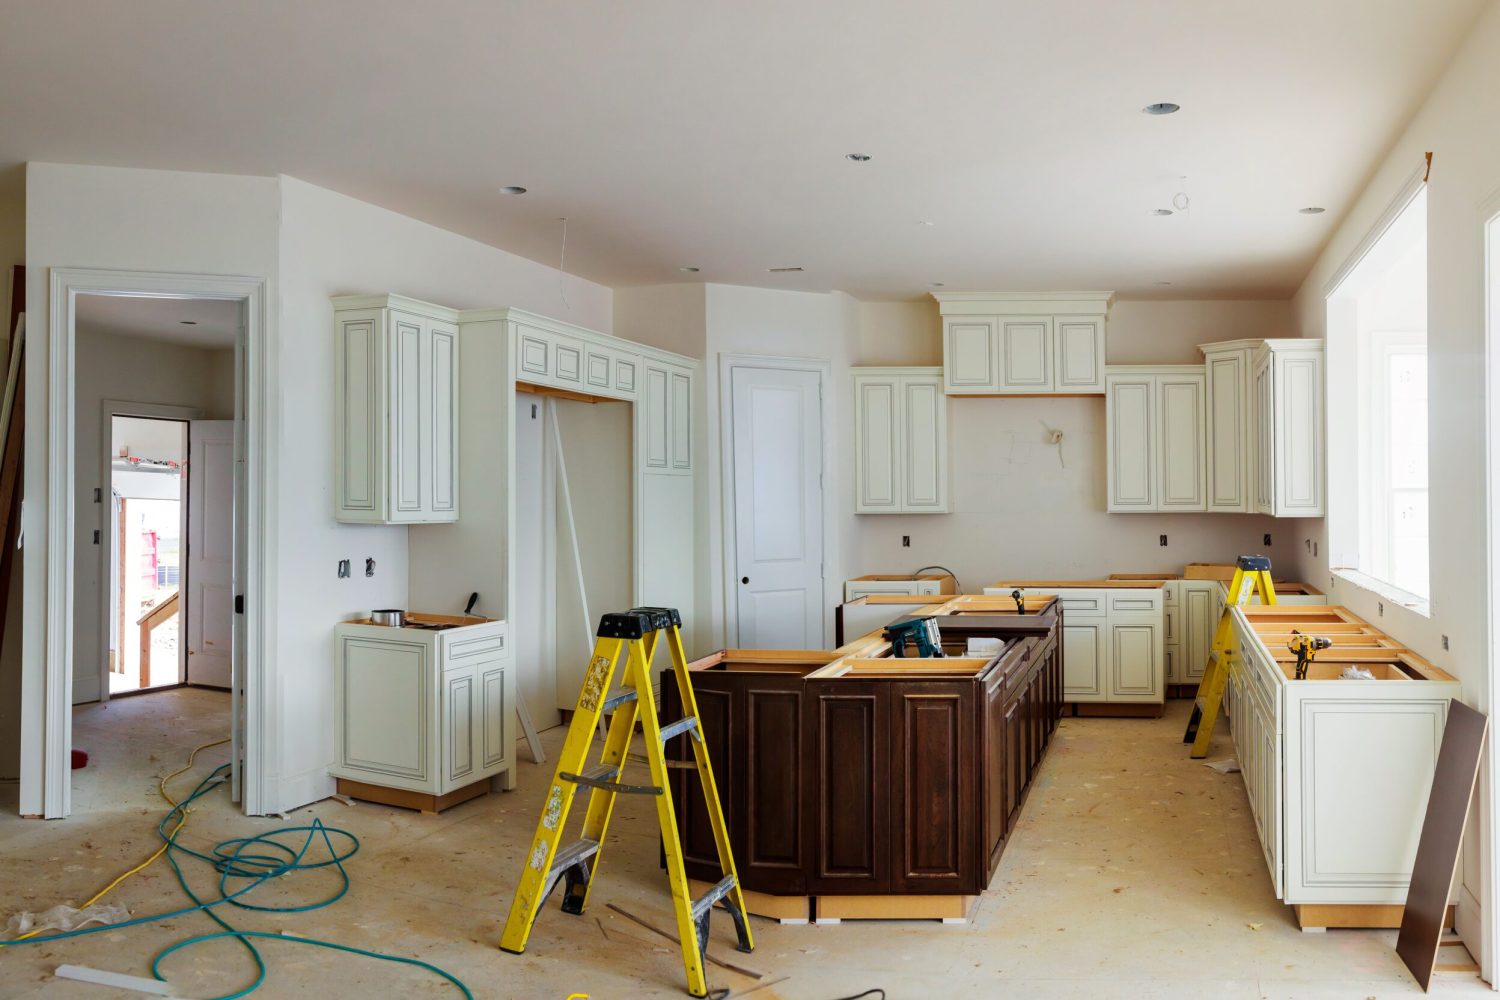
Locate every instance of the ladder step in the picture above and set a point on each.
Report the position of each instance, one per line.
(706, 902)
(567, 857)
(603, 776)
(599, 772)
(614, 701)
(679, 727)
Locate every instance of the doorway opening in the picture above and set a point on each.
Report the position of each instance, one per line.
(146, 528)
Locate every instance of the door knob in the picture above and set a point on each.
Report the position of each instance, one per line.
(744, 579)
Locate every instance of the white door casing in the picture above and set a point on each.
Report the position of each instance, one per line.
(209, 585)
(777, 455)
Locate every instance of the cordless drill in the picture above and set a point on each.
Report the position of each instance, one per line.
(1306, 647)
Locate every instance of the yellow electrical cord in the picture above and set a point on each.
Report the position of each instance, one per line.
(161, 787)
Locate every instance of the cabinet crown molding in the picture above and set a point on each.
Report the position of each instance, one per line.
(390, 301)
(1085, 303)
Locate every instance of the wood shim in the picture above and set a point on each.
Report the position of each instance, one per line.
(1442, 834)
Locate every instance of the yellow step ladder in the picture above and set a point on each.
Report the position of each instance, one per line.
(630, 637)
(1252, 574)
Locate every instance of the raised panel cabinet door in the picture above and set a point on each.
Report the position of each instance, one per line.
(596, 368)
(440, 491)
(567, 364)
(494, 716)
(1299, 435)
(1181, 453)
(1227, 410)
(387, 708)
(359, 441)
(655, 418)
(681, 429)
(923, 444)
(772, 849)
(457, 729)
(1084, 660)
(1134, 662)
(407, 395)
(1130, 442)
(534, 355)
(994, 810)
(969, 355)
(627, 374)
(1026, 355)
(721, 714)
(877, 447)
(1198, 627)
(1264, 427)
(1016, 774)
(850, 782)
(1080, 353)
(933, 785)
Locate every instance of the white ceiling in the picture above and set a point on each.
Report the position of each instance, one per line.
(677, 132)
(210, 324)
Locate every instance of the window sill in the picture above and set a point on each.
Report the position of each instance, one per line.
(1387, 592)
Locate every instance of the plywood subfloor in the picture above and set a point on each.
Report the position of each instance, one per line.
(1135, 874)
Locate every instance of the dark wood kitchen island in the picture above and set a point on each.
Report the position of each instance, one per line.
(856, 783)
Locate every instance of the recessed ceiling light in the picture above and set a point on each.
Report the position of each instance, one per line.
(688, 270)
(1312, 210)
(188, 322)
(934, 284)
(926, 222)
(512, 189)
(858, 157)
(1163, 283)
(783, 270)
(1161, 211)
(1163, 108)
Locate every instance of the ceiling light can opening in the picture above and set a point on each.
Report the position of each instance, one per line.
(188, 322)
(512, 189)
(934, 284)
(858, 157)
(1161, 211)
(1312, 210)
(1161, 108)
(688, 270)
(783, 270)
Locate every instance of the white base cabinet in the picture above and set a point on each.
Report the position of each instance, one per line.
(1114, 642)
(396, 455)
(866, 586)
(1337, 773)
(1156, 453)
(1192, 612)
(425, 711)
(900, 441)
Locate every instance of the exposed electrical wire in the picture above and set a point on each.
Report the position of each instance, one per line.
(562, 266)
(945, 569)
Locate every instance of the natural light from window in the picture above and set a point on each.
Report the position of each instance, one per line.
(1377, 426)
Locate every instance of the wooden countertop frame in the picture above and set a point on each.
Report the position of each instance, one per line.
(1354, 639)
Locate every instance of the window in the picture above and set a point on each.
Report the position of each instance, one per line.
(1377, 420)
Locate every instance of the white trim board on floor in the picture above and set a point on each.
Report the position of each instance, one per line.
(46, 715)
(824, 369)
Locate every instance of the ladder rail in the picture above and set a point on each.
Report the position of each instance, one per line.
(1252, 575)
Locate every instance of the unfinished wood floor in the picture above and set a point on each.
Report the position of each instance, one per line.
(1135, 874)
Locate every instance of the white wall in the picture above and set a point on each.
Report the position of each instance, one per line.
(142, 371)
(1457, 123)
(149, 220)
(335, 245)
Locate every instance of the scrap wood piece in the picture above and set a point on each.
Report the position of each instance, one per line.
(119, 980)
(1442, 835)
(657, 930)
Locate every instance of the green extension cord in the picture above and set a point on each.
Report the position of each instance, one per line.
(254, 861)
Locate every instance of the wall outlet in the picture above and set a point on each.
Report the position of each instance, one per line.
(1266, 539)
(1163, 541)
(1315, 550)
(1380, 608)
(906, 541)
(369, 566)
(1445, 642)
(343, 569)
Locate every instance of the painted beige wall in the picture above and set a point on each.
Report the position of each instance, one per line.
(141, 371)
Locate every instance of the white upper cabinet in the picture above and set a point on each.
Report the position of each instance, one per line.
(1288, 398)
(667, 418)
(1230, 450)
(396, 390)
(900, 441)
(1155, 448)
(1025, 345)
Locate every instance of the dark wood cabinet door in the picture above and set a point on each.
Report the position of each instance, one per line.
(716, 713)
(993, 808)
(1015, 758)
(933, 788)
(847, 787)
(770, 844)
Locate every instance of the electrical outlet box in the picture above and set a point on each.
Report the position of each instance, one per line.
(906, 541)
(343, 569)
(1163, 541)
(1266, 539)
(1445, 642)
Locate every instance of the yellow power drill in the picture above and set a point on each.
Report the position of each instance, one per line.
(1306, 647)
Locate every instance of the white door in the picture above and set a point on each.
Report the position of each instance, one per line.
(777, 437)
(209, 587)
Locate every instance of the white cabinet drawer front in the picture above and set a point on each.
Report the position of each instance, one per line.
(1026, 355)
(462, 650)
(1080, 354)
(969, 355)
(386, 707)
(534, 354)
(1149, 602)
(1169, 617)
(1081, 605)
